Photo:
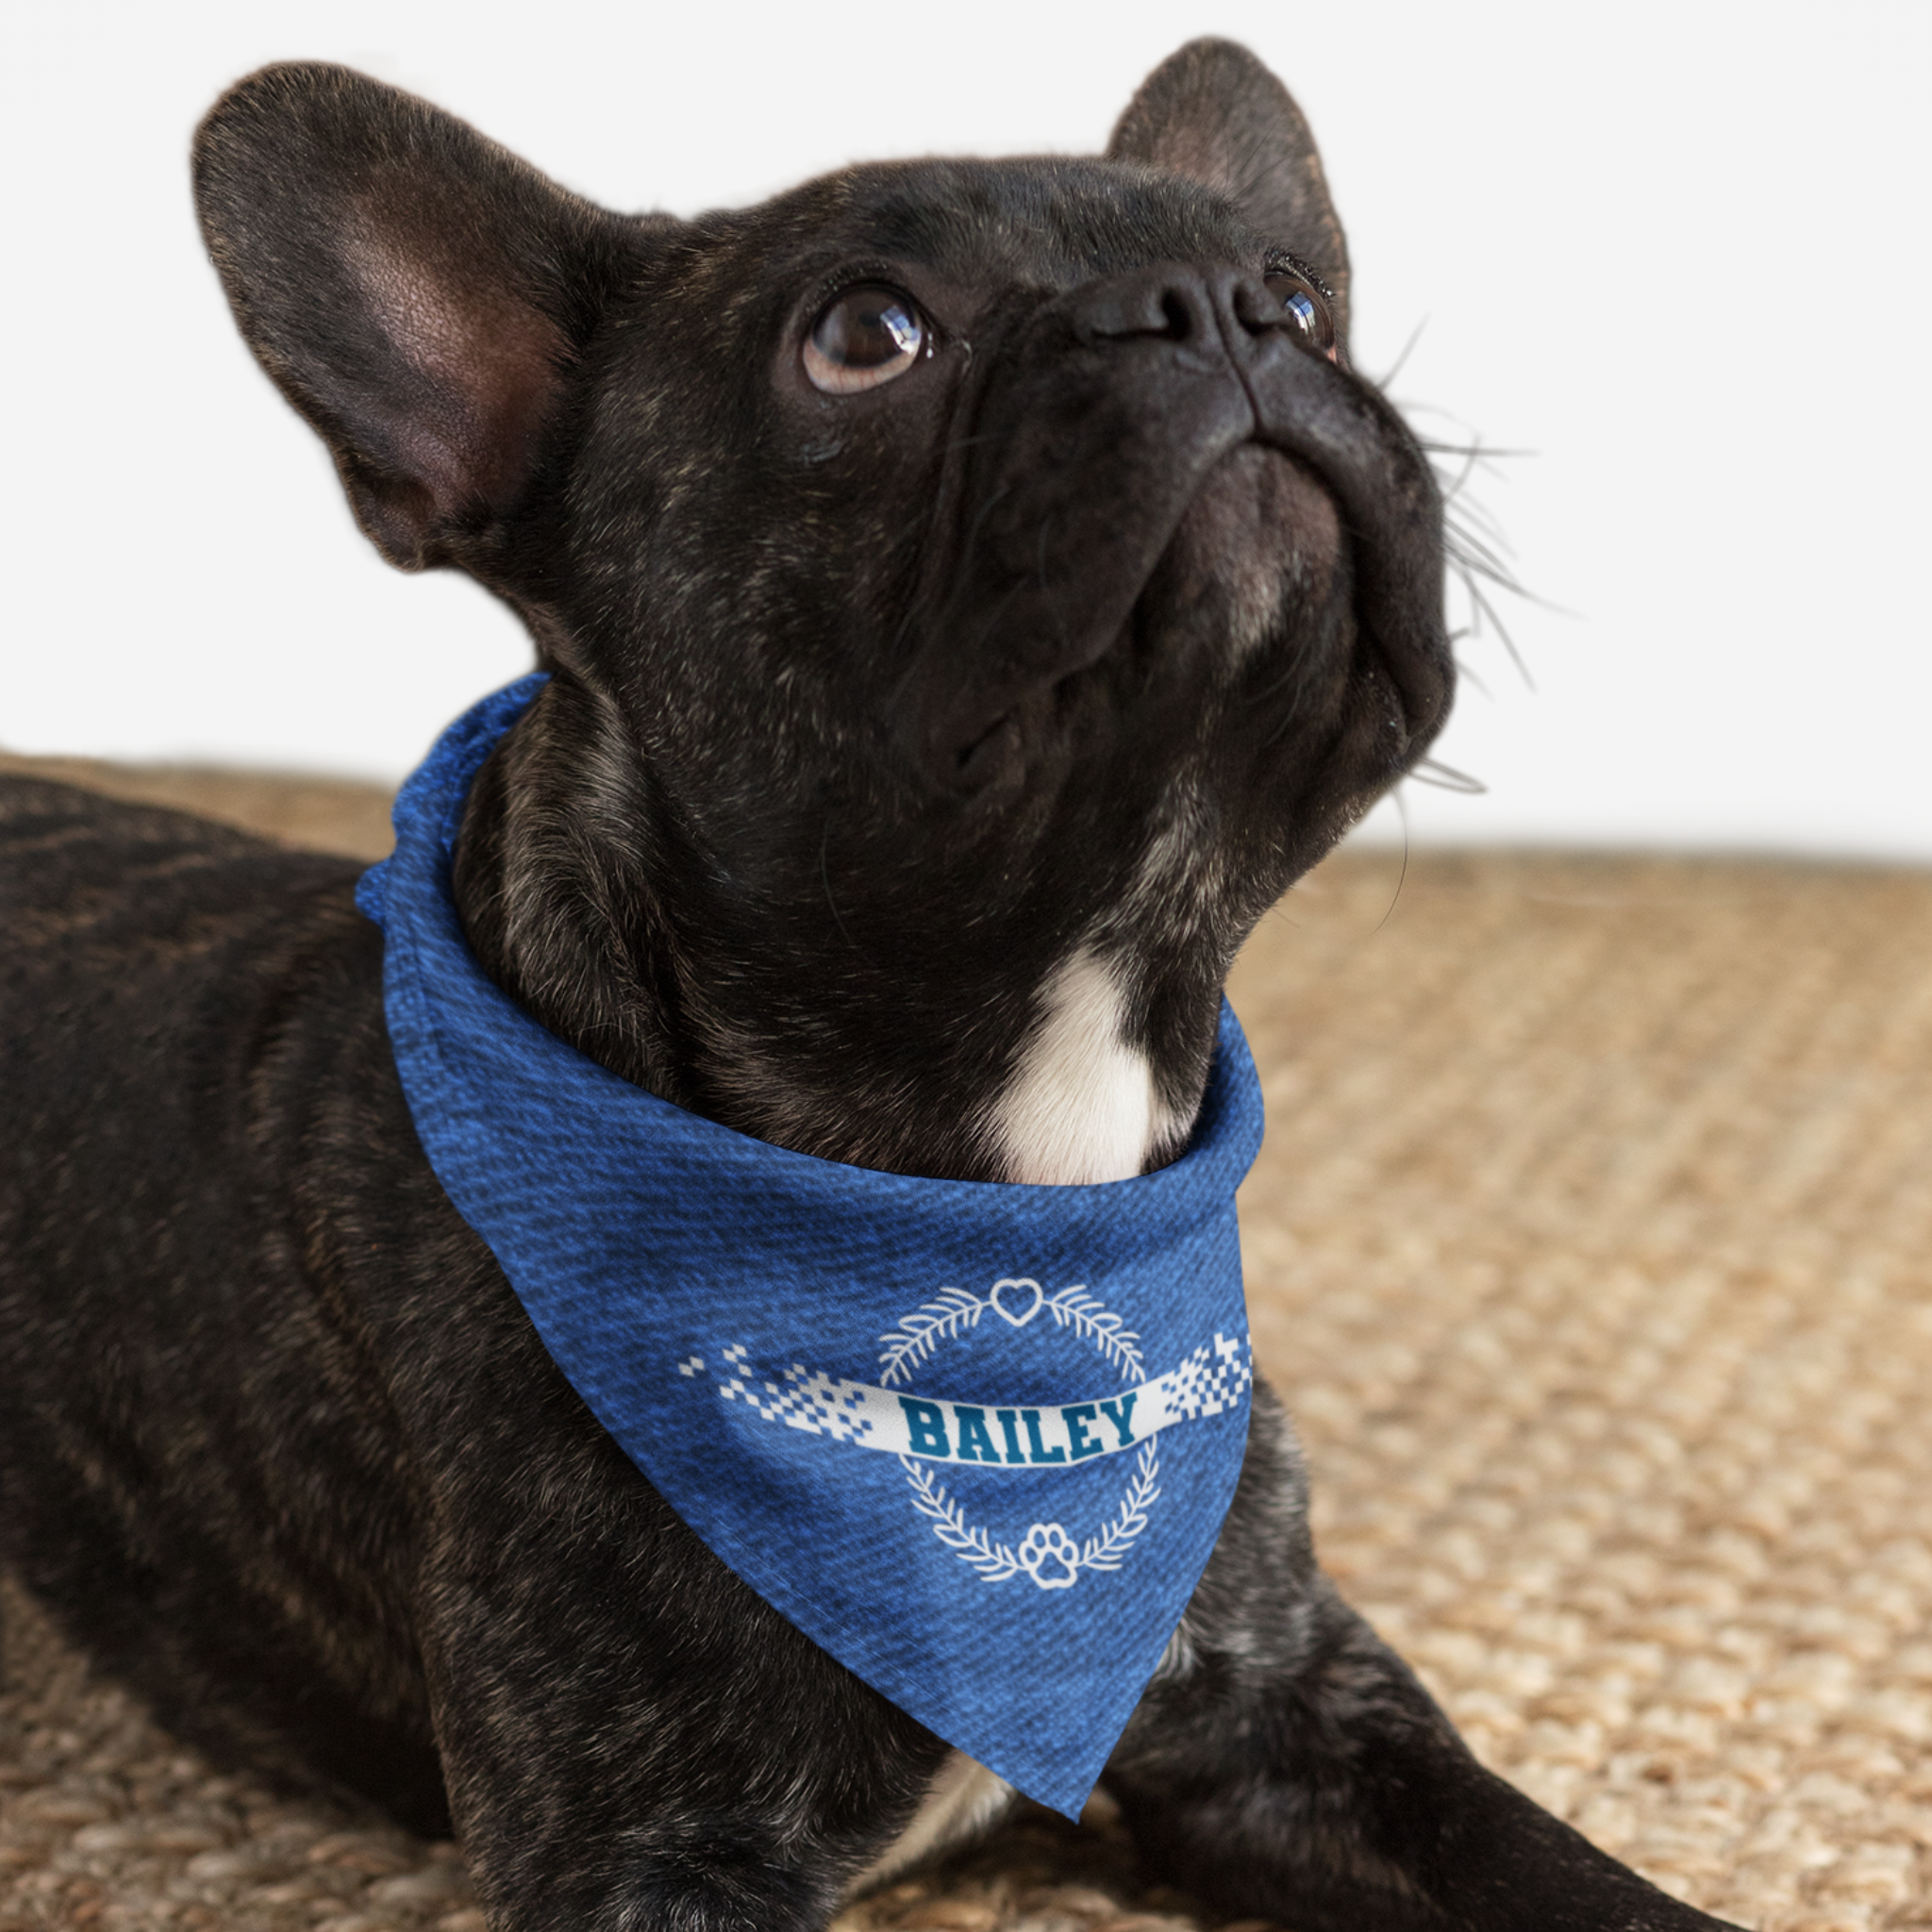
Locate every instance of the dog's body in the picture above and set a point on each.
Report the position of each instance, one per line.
(972, 591)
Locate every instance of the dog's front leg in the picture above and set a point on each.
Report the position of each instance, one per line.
(630, 1737)
(1287, 1764)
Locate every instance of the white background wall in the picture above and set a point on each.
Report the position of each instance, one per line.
(1676, 250)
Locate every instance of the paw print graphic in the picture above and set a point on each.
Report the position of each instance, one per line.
(1049, 1557)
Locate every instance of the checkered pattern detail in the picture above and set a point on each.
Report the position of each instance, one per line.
(820, 1403)
(1212, 1379)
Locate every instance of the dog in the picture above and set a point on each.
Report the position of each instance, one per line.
(971, 592)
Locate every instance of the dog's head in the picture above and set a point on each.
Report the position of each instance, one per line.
(974, 590)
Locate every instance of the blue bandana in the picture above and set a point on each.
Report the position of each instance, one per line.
(975, 1439)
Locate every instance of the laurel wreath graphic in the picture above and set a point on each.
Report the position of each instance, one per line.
(913, 1340)
(956, 1309)
(1075, 1308)
(1046, 1553)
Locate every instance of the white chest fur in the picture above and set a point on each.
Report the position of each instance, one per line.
(1081, 1105)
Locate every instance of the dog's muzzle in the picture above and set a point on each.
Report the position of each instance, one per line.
(1087, 445)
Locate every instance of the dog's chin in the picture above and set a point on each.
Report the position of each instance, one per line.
(1257, 567)
(1258, 556)
(1257, 562)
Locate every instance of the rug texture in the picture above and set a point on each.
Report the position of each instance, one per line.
(1590, 1246)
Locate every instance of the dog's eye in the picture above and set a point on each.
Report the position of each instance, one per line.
(865, 337)
(1307, 310)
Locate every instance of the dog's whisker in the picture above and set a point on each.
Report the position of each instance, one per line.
(1432, 772)
(1415, 335)
(1401, 806)
(826, 880)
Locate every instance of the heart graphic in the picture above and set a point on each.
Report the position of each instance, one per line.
(1005, 1313)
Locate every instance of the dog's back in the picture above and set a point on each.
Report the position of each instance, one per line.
(151, 963)
(182, 1003)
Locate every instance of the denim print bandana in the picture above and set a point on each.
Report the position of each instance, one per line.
(975, 1439)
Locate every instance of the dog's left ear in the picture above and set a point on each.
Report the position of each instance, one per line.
(1214, 113)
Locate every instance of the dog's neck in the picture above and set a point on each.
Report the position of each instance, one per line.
(572, 904)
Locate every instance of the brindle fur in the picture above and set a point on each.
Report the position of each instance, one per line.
(866, 712)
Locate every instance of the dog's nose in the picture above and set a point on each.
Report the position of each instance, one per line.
(1187, 307)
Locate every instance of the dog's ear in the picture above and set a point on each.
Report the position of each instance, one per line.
(1214, 113)
(415, 291)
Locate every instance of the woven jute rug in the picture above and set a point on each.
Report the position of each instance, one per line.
(1592, 1246)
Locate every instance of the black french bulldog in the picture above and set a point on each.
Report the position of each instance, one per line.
(972, 591)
